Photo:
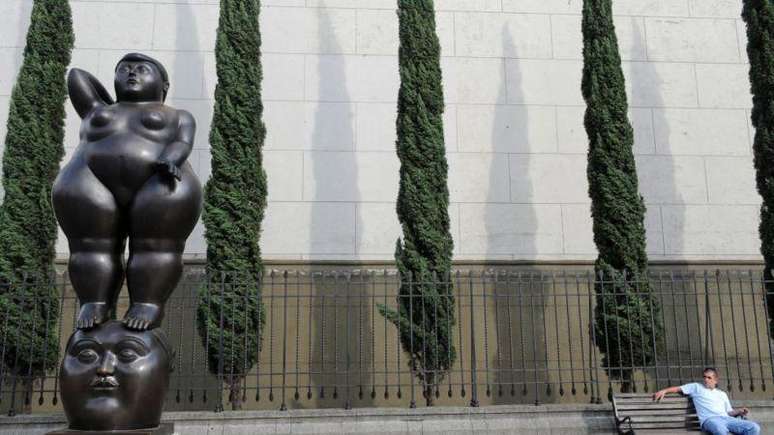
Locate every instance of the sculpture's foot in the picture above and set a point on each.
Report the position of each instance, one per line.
(142, 316)
(92, 314)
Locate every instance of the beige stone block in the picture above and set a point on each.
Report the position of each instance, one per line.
(462, 83)
(377, 32)
(548, 178)
(660, 84)
(544, 82)
(504, 128)
(502, 35)
(95, 25)
(377, 228)
(724, 86)
(715, 8)
(296, 229)
(516, 230)
(14, 30)
(543, 6)
(352, 78)
(711, 230)
(478, 177)
(657, 8)
(731, 180)
(672, 179)
(692, 40)
(284, 175)
(701, 131)
(190, 27)
(308, 30)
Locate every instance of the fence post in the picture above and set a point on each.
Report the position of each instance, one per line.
(473, 376)
(283, 405)
(221, 356)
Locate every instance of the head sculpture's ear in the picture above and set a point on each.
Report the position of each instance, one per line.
(163, 340)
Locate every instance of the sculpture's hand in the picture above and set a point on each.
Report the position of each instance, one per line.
(168, 168)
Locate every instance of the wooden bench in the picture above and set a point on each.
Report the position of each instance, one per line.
(638, 414)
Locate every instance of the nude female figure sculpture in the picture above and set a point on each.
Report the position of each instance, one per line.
(128, 178)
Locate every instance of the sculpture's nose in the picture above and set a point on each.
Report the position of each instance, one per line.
(108, 365)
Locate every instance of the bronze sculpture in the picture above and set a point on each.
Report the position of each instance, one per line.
(128, 178)
(115, 378)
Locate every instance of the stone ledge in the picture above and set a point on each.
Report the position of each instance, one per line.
(501, 419)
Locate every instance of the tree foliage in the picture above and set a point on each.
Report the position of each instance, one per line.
(230, 314)
(627, 329)
(425, 313)
(28, 230)
(759, 16)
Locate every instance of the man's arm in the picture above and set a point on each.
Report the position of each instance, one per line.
(658, 395)
(735, 412)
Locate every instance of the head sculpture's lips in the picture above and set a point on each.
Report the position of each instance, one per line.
(104, 383)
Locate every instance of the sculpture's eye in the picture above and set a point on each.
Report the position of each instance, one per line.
(127, 355)
(142, 69)
(87, 356)
(123, 69)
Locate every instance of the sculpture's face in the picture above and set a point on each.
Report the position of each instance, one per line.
(138, 81)
(114, 378)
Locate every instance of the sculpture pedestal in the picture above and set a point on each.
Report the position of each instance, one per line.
(164, 429)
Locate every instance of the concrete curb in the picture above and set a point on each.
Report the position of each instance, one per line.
(502, 419)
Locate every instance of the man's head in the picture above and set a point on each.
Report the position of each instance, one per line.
(115, 378)
(140, 78)
(710, 377)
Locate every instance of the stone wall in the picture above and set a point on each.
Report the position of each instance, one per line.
(513, 122)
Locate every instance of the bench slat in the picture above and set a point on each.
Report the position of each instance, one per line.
(673, 414)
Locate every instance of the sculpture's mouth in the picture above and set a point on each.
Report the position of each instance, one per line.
(132, 82)
(104, 383)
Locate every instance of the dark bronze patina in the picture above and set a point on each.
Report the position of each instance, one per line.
(114, 378)
(128, 179)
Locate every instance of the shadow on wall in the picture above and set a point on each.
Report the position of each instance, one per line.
(334, 198)
(657, 171)
(180, 321)
(518, 354)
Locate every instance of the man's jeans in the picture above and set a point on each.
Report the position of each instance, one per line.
(725, 425)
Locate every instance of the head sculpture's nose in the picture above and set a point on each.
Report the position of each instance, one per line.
(107, 365)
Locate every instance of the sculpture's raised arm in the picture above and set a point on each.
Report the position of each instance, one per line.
(86, 92)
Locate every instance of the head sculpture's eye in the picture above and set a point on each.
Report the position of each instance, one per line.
(129, 350)
(143, 69)
(127, 355)
(87, 356)
(123, 69)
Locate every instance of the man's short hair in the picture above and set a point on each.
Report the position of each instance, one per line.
(711, 369)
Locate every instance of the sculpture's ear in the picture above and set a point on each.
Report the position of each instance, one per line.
(166, 90)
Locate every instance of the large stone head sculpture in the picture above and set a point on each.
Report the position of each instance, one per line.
(115, 378)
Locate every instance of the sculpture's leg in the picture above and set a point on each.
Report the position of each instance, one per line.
(91, 220)
(162, 217)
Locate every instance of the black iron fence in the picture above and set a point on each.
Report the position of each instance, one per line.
(514, 337)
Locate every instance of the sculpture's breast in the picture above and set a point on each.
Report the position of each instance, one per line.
(155, 123)
(102, 122)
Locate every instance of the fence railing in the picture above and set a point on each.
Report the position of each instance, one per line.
(514, 337)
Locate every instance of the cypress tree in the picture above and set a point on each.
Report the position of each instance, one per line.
(28, 229)
(230, 313)
(425, 314)
(627, 329)
(759, 16)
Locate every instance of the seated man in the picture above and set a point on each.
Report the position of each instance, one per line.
(713, 407)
